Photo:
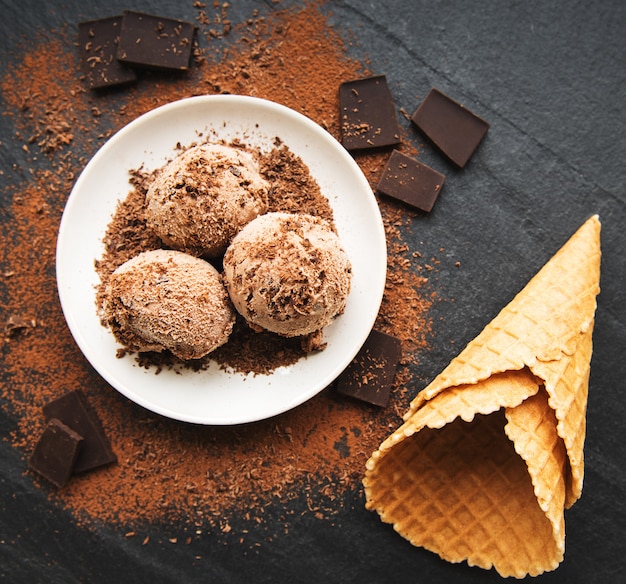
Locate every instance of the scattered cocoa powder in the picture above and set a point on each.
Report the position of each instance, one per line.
(213, 478)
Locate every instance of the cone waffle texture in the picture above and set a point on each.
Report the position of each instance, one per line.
(491, 452)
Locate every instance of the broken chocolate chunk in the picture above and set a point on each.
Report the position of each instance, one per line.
(368, 114)
(98, 44)
(370, 375)
(74, 411)
(56, 452)
(15, 324)
(454, 129)
(155, 42)
(411, 182)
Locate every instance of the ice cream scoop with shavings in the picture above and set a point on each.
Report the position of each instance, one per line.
(201, 199)
(288, 273)
(165, 299)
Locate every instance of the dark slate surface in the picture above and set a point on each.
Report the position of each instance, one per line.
(550, 77)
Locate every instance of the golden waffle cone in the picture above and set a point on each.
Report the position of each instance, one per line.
(491, 452)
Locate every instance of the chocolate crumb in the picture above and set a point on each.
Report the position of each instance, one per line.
(16, 324)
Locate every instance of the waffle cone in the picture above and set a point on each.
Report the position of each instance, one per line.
(491, 452)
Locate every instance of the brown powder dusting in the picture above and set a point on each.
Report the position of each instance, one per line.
(294, 190)
(128, 234)
(48, 104)
(212, 477)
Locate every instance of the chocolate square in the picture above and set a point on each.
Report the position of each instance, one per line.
(155, 42)
(73, 410)
(370, 375)
(411, 182)
(368, 114)
(56, 452)
(454, 129)
(98, 45)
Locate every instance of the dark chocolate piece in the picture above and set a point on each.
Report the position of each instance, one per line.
(98, 44)
(74, 411)
(370, 375)
(454, 129)
(411, 182)
(368, 114)
(56, 452)
(155, 42)
(15, 324)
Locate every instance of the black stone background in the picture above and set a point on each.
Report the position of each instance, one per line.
(550, 77)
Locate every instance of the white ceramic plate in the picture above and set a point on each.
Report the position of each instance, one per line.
(214, 396)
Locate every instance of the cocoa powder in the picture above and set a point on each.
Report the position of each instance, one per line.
(213, 478)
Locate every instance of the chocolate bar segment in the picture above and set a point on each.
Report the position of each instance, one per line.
(370, 375)
(410, 181)
(155, 42)
(368, 114)
(73, 410)
(56, 452)
(454, 129)
(98, 45)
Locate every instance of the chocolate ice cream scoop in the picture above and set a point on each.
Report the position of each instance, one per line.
(203, 197)
(288, 273)
(166, 299)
